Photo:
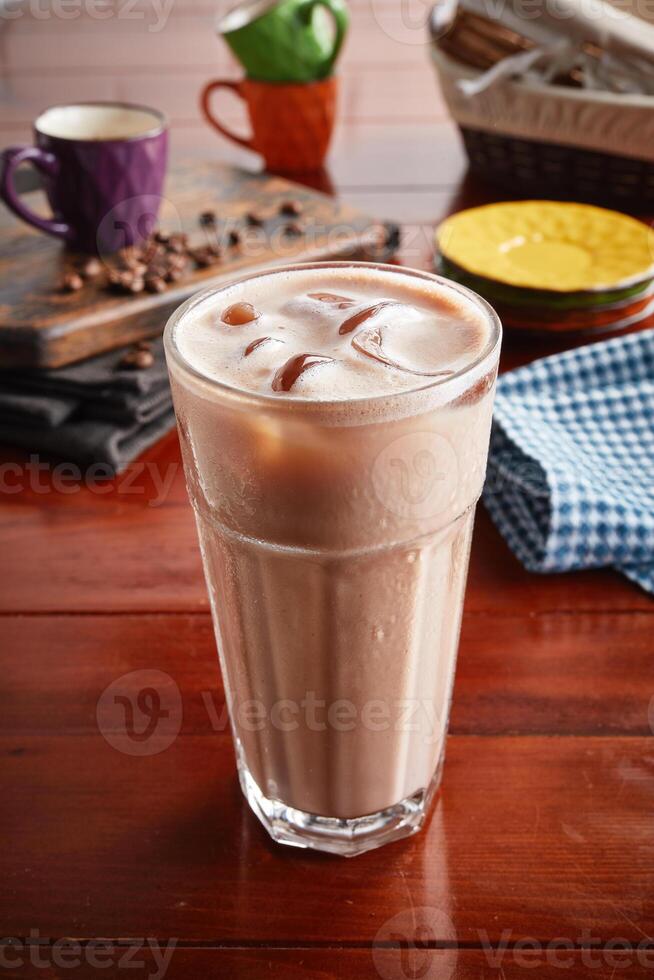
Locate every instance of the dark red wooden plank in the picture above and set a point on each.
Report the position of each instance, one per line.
(533, 836)
(413, 962)
(131, 546)
(569, 674)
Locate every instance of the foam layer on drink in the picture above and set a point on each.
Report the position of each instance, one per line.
(336, 333)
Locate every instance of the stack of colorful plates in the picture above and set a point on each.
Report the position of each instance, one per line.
(550, 266)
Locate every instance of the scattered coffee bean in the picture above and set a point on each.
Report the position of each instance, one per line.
(165, 258)
(72, 282)
(155, 284)
(292, 208)
(125, 281)
(91, 268)
(178, 243)
(385, 239)
(203, 257)
(130, 256)
(177, 260)
(158, 270)
(137, 360)
(294, 228)
(239, 313)
(151, 251)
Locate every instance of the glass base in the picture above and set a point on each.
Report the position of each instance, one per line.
(286, 825)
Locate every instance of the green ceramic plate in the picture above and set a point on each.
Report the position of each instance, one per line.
(496, 292)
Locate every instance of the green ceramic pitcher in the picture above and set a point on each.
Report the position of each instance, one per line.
(282, 40)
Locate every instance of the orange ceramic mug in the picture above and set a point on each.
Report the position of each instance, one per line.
(291, 123)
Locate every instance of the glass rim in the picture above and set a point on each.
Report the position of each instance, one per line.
(275, 401)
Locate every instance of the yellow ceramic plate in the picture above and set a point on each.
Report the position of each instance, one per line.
(549, 245)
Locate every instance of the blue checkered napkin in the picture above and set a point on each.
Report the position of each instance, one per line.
(571, 470)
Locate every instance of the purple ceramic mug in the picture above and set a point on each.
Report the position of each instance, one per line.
(103, 166)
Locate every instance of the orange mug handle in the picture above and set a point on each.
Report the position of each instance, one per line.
(206, 110)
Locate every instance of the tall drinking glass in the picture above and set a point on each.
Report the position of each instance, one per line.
(335, 537)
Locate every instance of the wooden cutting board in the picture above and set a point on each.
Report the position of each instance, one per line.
(41, 326)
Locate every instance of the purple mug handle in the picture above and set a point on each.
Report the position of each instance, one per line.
(45, 162)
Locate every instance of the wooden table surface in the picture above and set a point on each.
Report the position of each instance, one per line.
(539, 855)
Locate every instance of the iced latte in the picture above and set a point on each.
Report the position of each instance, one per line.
(334, 421)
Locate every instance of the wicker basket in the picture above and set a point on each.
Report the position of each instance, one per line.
(552, 141)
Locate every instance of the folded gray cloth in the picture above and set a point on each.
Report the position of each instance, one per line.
(19, 407)
(129, 410)
(88, 441)
(92, 412)
(98, 378)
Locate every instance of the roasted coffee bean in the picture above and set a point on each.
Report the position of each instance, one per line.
(254, 219)
(137, 360)
(72, 282)
(294, 228)
(91, 268)
(208, 219)
(151, 250)
(155, 284)
(129, 256)
(156, 272)
(203, 257)
(234, 237)
(178, 243)
(293, 208)
(122, 280)
(162, 237)
(137, 285)
(386, 239)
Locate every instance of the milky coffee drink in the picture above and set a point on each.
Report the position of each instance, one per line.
(334, 421)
